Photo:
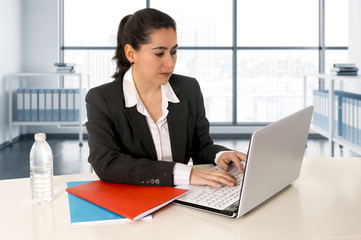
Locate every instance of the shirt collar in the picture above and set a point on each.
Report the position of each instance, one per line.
(131, 95)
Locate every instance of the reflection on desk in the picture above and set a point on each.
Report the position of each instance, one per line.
(324, 203)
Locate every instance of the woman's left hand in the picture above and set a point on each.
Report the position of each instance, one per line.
(228, 157)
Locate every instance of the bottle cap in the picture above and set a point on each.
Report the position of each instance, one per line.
(40, 136)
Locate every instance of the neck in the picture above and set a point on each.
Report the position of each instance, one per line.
(145, 88)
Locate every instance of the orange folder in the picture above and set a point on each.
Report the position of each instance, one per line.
(131, 201)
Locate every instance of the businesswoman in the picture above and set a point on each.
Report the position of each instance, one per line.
(145, 125)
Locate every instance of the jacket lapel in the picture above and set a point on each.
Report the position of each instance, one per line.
(140, 127)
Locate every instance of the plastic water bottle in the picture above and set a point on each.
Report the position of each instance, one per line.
(41, 170)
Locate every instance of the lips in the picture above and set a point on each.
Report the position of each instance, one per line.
(166, 74)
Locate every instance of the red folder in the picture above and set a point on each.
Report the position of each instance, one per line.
(130, 201)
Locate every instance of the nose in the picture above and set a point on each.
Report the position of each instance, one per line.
(170, 61)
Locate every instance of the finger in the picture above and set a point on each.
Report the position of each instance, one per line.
(212, 183)
(223, 177)
(204, 177)
(210, 180)
(239, 166)
(213, 178)
(222, 164)
(222, 173)
(241, 156)
(235, 158)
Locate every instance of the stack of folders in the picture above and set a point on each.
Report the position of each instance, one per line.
(65, 67)
(347, 117)
(345, 69)
(50, 105)
(97, 201)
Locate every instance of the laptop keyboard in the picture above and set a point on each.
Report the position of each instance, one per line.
(218, 198)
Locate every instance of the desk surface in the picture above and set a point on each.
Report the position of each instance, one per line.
(324, 203)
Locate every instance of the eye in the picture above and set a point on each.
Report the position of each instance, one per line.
(174, 52)
(159, 54)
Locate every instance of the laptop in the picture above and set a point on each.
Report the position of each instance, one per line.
(274, 161)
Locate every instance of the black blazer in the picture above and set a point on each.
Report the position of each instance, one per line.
(120, 142)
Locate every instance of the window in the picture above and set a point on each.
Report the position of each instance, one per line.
(200, 23)
(278, 23)
(95, 23)
(249, 60)
(213, 70)
(270, 82)
(277, 46)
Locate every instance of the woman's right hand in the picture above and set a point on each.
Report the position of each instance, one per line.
(212, 177)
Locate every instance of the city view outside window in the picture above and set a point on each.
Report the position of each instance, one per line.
(264, 58)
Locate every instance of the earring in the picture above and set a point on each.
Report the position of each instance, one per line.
(132, 63)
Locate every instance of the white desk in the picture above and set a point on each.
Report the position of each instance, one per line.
(324, 203)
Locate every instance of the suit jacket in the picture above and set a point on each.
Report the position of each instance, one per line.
(120, 142)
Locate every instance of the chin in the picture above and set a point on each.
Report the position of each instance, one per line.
(163, 82)
(164, 78)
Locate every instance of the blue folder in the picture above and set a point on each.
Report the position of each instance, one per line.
(82, 211)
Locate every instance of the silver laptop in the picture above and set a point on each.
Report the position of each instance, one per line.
(274, 161)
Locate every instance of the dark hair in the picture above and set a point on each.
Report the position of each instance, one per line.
(135, 30)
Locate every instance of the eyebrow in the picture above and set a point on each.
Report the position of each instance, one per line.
(164, 48)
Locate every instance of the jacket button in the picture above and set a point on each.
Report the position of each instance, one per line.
(157, 181)
(142, 181)
(152, 181)
(147, 181)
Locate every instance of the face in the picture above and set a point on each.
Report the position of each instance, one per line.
(154, 62)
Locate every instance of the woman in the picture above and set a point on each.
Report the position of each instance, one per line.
(145, 125)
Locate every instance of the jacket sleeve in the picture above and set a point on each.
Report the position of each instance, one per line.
(108, 156)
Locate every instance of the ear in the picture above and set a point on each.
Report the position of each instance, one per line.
(129, 53)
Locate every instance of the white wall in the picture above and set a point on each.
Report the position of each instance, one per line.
(41, 45)
(41, 35)
(11, 51)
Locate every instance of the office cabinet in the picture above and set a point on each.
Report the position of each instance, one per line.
(29, 118)
(337, 114)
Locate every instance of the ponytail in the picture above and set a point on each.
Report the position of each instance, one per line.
(135, 30)
(121, 60)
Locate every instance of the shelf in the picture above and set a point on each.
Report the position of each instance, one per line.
(320, 131)
(335, 77)
(20, 123)
(331, 111)
(25, 76)
(45, 74)
(337, 139)
(353, 147)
